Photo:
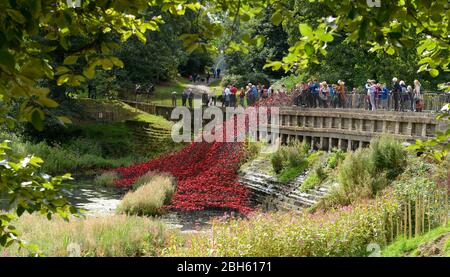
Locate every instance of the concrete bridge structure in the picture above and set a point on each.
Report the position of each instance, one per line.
(349, 129)
(346, 129)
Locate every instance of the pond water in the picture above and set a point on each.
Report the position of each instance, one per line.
(102, 201)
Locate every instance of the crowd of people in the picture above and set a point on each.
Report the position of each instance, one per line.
(314, 94)
(375, 95)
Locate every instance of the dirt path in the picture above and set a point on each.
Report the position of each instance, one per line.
(199, 87)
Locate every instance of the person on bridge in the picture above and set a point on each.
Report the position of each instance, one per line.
(341, 93)
(227, 95)
(396, 92)
(404, 100)
(384, 97)
(323, 95)
(233, 96)
(372, 95)
(418, 98)
(248, 92)
(242, 97)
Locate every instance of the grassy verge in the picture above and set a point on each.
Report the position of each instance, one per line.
(91, 145)
(438, 238)
(103, 237)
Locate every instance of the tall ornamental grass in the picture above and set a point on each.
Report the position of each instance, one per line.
(116, 235)
(150, 197)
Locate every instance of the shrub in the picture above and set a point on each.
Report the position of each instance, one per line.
(106, 179)
(244, 80)
(116, 235)
(387, 154)
(149, 198)
(277, 161)
(335, 158)
(316, 177)
(252, 149)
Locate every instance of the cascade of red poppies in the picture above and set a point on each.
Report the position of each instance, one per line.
(206, 173)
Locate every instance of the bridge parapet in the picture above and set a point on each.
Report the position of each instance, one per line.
(349, 129)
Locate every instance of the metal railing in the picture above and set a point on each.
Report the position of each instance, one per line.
(431, 102)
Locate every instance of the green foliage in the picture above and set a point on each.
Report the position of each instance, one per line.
(335, 158)
(106, 179)
(273, 47)
(310, 182)
(366, 172)
(76, 155)
(290, 160)
(387, 154)
(403, 246)
(149, 198)
(29, 191)
(418, 24)
(356, 179)
(196, 63)
(290, 173)
(277, 161)
(341, 232)
(244, 80)
(112, 236)
(252, 149)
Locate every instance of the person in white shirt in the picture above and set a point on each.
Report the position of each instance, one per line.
(227, 96)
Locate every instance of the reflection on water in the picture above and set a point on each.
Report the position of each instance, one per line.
(95, 200)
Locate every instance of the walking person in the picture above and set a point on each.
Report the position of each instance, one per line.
(174, 99)
(191, 98)
(184, 97)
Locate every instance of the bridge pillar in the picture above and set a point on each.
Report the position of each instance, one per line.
(397, 128)
(424, 130)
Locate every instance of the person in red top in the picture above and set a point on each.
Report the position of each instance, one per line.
(233, 99)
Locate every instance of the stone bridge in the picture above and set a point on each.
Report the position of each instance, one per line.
(350, 129)
(346, 129)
